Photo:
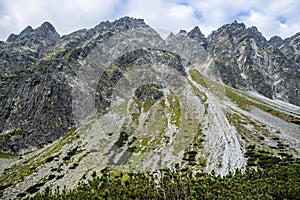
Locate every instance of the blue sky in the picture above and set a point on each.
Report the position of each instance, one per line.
(272, 17)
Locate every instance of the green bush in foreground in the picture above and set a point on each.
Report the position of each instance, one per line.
(277, 182)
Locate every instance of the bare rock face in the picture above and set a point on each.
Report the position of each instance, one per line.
(41, 81)
(290, 47)
(46, 32)
(248, 61)
(37, 103)
(28, 47)
(196, 34)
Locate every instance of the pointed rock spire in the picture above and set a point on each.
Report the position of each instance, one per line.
(47, 31)
(196, 34)
(27, 30)
(44, 32)
(170, 36)
(276, 41)
(13, 37)
(46, 26)
(182, 32)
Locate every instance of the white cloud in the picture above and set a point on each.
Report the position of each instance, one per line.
(265, 23)
(162, 14)
(275, 18)
(272, 17)
(66, 16)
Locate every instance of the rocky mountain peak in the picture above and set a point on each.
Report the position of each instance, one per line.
(170, 36)
(295, 39)
(27, 30)
(45, 32)
(124, 23)
(254, 31)
(237, 24)
(130, 20)
(276, 41)
(196, 34)
(234, 26)
(13, 37)
(182, 32)
(228, 30)
(47, 27)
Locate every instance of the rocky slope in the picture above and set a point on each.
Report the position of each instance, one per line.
(119, 95)
(246, 60)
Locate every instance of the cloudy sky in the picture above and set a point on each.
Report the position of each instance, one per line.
(272, 17)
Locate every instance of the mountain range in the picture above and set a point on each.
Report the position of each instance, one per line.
(119, 95)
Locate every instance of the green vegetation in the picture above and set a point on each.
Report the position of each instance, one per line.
(192, 154)
(10, 76)
(7, 155)
(122, 139)
(274, 182)
(244, 101)
(135, 109)
(20, 170)
(14, 133)
(148, 103)
(175, 109)
(240, 120)
(213, 86)
(265, 159)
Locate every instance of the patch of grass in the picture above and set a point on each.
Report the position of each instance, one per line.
(224, 90)
(142, 144)
(240, 121)
(244, 101)
(149, 102)
(213, 86)
(8, 155)
(10, 76)
(18, 171)
(14, 133)
(135, 110)
(201, 95)
(176, 110)
(199, 78)
(68, 137)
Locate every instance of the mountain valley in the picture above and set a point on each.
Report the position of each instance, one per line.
(119, 95)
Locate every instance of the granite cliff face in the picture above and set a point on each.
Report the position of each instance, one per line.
(35, 97)
(41, 79)
(246, 60)
(119, 95)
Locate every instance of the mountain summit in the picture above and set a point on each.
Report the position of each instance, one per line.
(119, 95)
(45, 32)
(196, 34)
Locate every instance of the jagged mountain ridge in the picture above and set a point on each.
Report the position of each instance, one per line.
(246, 60)
(135, 97)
